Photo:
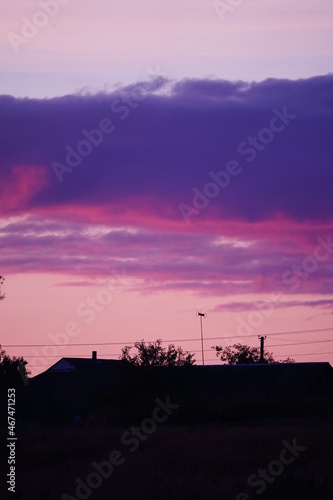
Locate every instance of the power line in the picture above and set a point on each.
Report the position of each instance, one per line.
(312, 354)
(100, 343)
(100, 354)
(79, 356)
(169, 340)
(301, 331)
(303, 343)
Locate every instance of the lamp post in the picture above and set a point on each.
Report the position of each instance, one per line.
(202, 315)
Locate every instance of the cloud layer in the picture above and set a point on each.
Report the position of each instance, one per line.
(201, 184)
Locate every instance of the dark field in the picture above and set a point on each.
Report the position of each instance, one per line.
(178, 462)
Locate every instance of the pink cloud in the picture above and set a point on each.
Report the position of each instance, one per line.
(22, 184)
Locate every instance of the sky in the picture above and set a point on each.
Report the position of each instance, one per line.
(163, 158)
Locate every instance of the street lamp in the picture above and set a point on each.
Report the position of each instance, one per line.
(202, 315)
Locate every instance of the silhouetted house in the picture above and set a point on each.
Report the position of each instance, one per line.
(269, 389)
(274, 379)
(74, 388)
(71, 387)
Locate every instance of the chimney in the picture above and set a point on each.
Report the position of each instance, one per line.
(262, 350)
(94, 355)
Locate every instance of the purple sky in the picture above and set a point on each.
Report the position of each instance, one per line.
(188, 166)
(96, 46)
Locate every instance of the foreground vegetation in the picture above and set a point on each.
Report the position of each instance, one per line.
(178, 462)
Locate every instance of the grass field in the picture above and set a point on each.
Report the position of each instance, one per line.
(178, 462)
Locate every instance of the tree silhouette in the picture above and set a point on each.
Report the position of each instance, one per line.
(241, 354)
(154, 354)
(12, 370)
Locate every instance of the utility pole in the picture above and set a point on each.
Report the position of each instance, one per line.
(202, 315)
(262, 341)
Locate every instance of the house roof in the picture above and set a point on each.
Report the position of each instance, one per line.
(260, 380)
(269, 379)
(67, 365)
(75, 374)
